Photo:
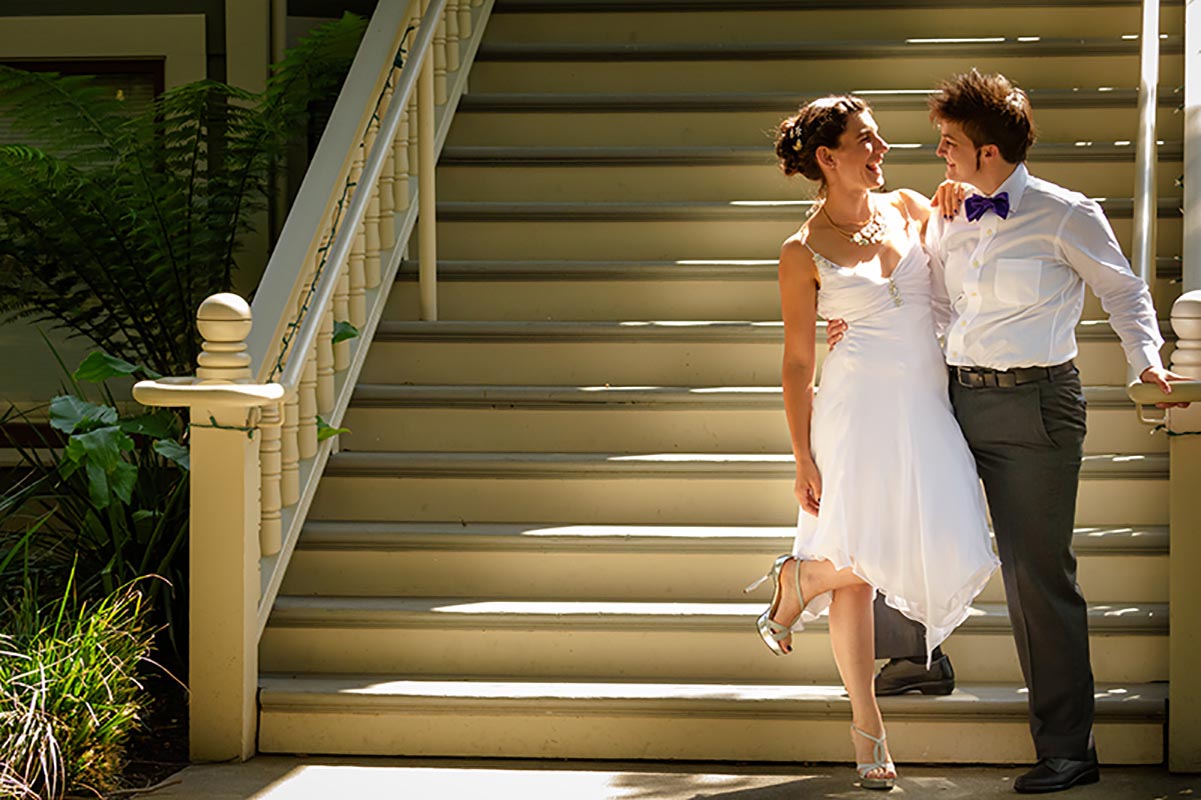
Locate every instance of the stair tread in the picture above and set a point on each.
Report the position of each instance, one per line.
(658, 155)
(675, 211)
(707, 397)
(713, 465)
(770, 331)
(881, 99)
(474, 613)
(828, 49)
(550, 537)
(759, 269)
(610, 6)
(374, 693)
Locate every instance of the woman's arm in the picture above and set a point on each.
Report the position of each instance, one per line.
(798, 301)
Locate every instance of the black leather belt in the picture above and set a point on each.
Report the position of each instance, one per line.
(981, 377)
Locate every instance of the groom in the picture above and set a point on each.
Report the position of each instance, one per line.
(1009, 270)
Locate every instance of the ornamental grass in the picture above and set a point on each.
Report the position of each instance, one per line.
(70, 694)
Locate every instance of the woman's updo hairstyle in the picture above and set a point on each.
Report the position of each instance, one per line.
(819, 123)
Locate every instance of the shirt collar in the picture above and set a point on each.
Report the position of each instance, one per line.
(1015, 185)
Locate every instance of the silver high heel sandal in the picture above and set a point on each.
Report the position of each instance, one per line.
(883, 784)
(772, 632)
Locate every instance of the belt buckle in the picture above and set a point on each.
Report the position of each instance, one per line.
(969, 379)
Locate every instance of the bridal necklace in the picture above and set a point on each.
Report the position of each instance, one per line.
(871, 232)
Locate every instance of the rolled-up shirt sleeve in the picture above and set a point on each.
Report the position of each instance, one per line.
(1087, 244)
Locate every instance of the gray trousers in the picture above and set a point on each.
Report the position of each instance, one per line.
(1028, 441)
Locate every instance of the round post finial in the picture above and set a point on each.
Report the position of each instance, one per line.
(1186, 322)
(224, 323)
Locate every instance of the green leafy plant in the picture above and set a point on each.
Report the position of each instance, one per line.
(70, 694)
(110, 493)
(117, 226)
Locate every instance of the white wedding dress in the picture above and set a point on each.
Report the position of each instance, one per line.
(901, 502)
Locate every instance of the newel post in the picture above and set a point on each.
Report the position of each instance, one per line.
(224, 551)
(224, 555)
(1184, 649)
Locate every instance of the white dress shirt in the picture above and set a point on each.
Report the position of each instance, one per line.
(1009, 292)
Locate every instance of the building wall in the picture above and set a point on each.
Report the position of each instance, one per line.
(225, 40)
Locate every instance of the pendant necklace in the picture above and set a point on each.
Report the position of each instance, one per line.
(874, 231)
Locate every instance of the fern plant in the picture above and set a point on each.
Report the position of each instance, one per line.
(117, 226)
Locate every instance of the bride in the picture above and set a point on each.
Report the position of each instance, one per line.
(889, 497)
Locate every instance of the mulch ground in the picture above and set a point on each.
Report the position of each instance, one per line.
(160, 749)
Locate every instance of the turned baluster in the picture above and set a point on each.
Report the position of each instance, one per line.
(464, 20)
(290, 452)
(325, 362)
(452, 36)
(307, 406)
(401, 168)
(341, 313)
(386, 194)
(440, 60)
(271, 468)
(370, 230)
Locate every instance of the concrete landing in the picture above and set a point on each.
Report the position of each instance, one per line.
(280, 778)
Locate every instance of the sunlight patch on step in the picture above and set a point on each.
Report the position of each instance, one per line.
(569, 690)
(725, 262)
(563, 609)
(708, 458)
(661, 532)
(959, 40)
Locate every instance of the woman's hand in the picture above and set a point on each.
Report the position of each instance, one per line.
(808, 487)
(835, 330)
(948, 197)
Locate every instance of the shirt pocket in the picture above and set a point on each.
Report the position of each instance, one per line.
(1017, 281)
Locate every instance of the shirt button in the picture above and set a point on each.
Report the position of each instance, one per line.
(974, 294)
(989, 231)
(976, 263)
(963, 324)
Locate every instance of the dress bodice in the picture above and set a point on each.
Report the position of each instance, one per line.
(858, 295)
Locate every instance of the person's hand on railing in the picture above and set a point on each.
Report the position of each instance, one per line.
(1164, 379)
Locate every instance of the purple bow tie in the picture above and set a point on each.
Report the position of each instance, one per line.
(977, 204)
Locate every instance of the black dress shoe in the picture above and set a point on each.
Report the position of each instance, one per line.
(1057, 774)
(901, 675)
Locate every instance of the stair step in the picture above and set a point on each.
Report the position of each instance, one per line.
(629, 419)
(906, 153)
(744, 289)
(670, 488)
(710, 102)
(641, 640)
(672, 182)
(661, 24)
(607, 719)
(489, 270)
(974, 47)
(703, 232)
(696, 211)
(592, 7)
(773, 66)
(615, 562)
(647, 353)
(1151, 466)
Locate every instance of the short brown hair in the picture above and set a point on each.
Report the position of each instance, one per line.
(990, 109)
(818, 123)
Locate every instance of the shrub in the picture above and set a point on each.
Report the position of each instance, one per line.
(70, 695)
(113, 496)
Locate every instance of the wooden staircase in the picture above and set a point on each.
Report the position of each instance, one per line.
(534, 539)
